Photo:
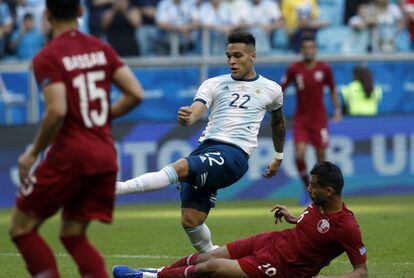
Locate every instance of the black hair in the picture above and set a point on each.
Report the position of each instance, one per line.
(307, 37)
(363, 75)
(242, 37)
(27, 16)
(328, 174)
(63, 9)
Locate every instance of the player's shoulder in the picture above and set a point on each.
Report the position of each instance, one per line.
(214, 81)
(220, 78)
(296, 65)
(55, 48)
(269, 84)
(346, 219)
(323, 65)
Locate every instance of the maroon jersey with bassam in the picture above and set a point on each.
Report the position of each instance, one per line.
(310, 83)
(85, 66)
(316, 240)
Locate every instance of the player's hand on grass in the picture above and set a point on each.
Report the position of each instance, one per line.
(26, 161)
(272, 168)
(184, 115)
(283, 211)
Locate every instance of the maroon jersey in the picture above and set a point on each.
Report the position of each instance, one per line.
(316, 240)
(85, 65)
(309, 83)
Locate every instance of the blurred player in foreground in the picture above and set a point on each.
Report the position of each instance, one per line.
(78, 173)
(237, 104)
(323, 231)
(310, 122)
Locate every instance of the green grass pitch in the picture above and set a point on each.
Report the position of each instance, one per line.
(150, 235)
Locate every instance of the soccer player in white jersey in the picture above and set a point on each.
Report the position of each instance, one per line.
(237, 104)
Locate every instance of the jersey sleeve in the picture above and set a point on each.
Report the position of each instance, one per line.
(205, 93)
(329, 78)
(287, 78)
(351, 241)
(113, 59)
(46, 71)
(277, 100)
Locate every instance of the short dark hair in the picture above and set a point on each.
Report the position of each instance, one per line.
(63, 9)
(329, 174)
(28, 16)
(242, 37)
(306, 37)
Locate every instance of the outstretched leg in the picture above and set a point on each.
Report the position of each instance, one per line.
(154, 181)
(216, 263)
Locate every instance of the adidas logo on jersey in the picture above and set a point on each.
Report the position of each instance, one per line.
(226, 88)
(203, 158)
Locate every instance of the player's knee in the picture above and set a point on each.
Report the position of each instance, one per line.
(73, 228)
(16, 230)
(181, 167)
(189, 222)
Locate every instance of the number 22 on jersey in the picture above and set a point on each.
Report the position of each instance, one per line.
(85, 83)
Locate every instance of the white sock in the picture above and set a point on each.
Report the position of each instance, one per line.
(149, 275)
(148, 182)
(200, 237)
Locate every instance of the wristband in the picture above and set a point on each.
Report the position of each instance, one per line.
(279, 156)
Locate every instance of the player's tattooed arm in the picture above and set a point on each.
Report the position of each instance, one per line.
(278, 124)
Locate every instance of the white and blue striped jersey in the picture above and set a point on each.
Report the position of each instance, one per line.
(237, 108)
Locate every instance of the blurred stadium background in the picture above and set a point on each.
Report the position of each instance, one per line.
(375, 153)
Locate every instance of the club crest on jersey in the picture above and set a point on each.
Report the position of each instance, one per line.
(242, 88)
(318, 75)
(258, 92)
(323, 226)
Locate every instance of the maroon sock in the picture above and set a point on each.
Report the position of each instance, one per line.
(302, 170)
(189, 260)
(37, 254)
(177, 272)
(90, 263)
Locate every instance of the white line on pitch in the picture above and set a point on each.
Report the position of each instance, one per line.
(146, 256)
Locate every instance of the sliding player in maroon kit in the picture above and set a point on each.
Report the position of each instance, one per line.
(78, 173)
(326, 229)
(310, 122)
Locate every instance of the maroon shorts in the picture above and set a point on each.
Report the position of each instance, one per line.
(254, 255)
(82, 197)
(317, 135)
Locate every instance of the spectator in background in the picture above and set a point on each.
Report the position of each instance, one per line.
(265, 17)
(36, 8)
(6, 25)
(301, 20)
(96, 10)
(361, 97)
(27, 41)
(119, 24)
(389, 22)
(216, 16)
(409, 13)
(242, 16)
(175, 18)
(360, 24)
(147, 34)
(351, 9)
